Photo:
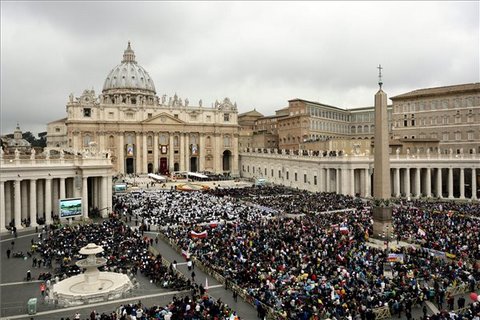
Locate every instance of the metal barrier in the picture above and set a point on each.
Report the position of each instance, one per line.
(382, 313)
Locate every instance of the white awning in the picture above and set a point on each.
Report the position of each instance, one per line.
(156, 177)
(198, 175)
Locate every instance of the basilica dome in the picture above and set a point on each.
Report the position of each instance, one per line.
(128, 75)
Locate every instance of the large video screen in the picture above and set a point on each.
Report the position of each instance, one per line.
(71, 207)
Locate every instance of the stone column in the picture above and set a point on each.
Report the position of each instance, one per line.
(155, 152)
(321, 180)
(3, 220)
(138, 154)
(62, 188)
(368, 190)
(48, 201)
(397, 182)
(55, 193)
(8, 201)
(418, 188)
(234, 168)
(337, 180)
(24, 199)
(33, 203)
(85, 197)
(109, 194)
(462, 183)
(171, 154)
(450, 183)
(18, 204)
(327, 179)
(103, 197)
(439, 183)
(41, 198)
(474, 184)
(182, 152)
(407, 182)
(202, 152)
(121, 153)
(187, 152)
(352, 182)
(428, 183)
(144, 153)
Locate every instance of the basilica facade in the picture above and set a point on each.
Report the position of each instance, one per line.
(144, 133)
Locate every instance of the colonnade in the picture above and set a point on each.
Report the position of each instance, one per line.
(31, 189)
(442, 177)
(32, 199)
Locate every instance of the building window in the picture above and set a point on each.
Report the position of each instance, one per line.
(193, 117)
(226, 141)
(57, 129)
(226, 117)
(175, 116)
(86, 140)
(111, 142)
(288, 177)
(295, 176)
(129, 115)
(87, 112)
(110, 115)
(149, 115)
(470, 135)
(279, 174)
(445, 136)
(209, 118)
(315, 180)
(458, 136)
(304, 178)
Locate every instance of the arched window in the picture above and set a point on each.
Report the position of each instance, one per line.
(149, 141)
(111, 142)
(87, 138)
(209, 142)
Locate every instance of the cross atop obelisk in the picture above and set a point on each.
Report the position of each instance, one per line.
(380, 82)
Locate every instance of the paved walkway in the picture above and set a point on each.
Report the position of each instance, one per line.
(15, 292)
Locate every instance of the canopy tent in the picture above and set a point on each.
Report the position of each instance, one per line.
(156, 177)
(197, 175)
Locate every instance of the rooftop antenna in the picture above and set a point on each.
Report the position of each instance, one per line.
(380, 82)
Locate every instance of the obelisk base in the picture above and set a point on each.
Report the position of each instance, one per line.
(382, 223)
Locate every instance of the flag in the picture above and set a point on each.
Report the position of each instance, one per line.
(213, 224)
(344, 230)
(186, 254)
(198, 235)
(421, 232)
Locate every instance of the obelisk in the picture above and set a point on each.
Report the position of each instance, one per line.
(382, 211)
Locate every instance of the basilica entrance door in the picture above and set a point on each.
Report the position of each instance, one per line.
(129, 168)
(193, 164)
(163, 165)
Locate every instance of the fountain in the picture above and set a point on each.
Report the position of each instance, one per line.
(92, 285)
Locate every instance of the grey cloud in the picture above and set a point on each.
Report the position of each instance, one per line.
(260, 54)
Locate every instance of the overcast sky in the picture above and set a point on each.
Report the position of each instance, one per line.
(259, 54)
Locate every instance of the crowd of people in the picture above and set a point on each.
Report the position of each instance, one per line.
(125, 249)
(168, 208)
(287, 251)
(195, 306)
(289, 200)
(442, 226)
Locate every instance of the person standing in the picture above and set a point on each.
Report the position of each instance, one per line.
(8, 253)
(189, 265)
(235, 295)
(29, 275)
